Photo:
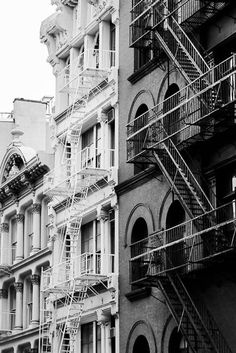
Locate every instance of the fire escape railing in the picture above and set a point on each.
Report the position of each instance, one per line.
(190, 106)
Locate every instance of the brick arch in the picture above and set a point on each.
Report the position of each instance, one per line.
(140, 210)
(141, 328)
(168, 329)
(170, 78)
(143, 97)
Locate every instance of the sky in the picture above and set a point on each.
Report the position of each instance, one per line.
(24, 70)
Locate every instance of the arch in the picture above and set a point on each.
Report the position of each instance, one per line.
(15, 159)
(139, 231)
(143, 97)
(141, 345)
(177, 343)
(140, 210)
(141, 328)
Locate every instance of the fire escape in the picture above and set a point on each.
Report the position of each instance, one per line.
(65, 285)
(159, 136)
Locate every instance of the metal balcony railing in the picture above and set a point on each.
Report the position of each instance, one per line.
(94, 162)
(146, 15)
(186, 245)
(93, 63)
(189, 106)
(85, 267)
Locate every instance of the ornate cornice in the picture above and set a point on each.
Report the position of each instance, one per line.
(36, 208)
(19, 287)
(35, 279)
(20, 218)
(4, 227)
(71, 3)
(3, 293)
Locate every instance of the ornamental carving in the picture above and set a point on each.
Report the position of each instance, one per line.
(20, 218)
(18, 287)
(36, 208)
(3, 293)
(71, 3)
(5, 227)
(35, 279)
(99, 4)
(13, 167)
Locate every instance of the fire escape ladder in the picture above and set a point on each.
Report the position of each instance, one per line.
(180, 48)
(181, 179)
(195, 323)
(68, 329)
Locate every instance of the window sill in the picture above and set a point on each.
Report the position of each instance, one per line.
(138, 294)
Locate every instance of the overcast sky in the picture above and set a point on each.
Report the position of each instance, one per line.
(24, 72)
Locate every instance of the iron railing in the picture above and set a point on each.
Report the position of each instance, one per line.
(189, 106)
(185, 246)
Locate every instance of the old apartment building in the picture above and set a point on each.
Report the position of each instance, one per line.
(25, 246)
(79, 308)
(176, 194)
(118, 218)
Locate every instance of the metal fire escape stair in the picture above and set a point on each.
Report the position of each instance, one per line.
(195, 322)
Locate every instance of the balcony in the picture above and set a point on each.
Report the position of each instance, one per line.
(181, 116)
(186, 247)
(87, 268)
(147, 15)
(86, 72)
(93, 165)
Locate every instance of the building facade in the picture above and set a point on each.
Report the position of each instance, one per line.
(25, 247)
(80, 289)
(176, 194)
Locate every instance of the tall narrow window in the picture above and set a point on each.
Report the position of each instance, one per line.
(111, 132)
(29, 293)
(87, 155)
(98, 146)
(29, 230)
(12, 306)
(87, 338)
(112, 43)
(13, 238)
(112, 239)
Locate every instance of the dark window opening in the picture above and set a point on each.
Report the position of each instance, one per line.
(177, 343)
(171, 121)
(141, 345)
(140, 137)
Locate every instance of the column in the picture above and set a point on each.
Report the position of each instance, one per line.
(36, 210)
(19, 305)
(35, 279)
(20, 237)
(4, 244)
(4, 316)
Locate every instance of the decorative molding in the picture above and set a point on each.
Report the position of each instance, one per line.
(71, 3)
(36, 208)
(138, 294)
(3, 294)
(4, 227)
(19, 287)
(35, 279)
(20, 218)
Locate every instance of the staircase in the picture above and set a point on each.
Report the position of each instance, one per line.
(181, 179)
(195, 323)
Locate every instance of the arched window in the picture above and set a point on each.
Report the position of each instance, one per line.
(171, 120)
(175, 216)
(140, 137)
(177, 343)
(138, 246)
(141, 345)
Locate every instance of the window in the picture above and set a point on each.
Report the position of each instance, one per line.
(142, 116)
(138, 246)
(112, 240)
(91, 148)
(112, 43)
(111, 133)
(29, 230)
(13, 238)
(141, 345)
(89, 333)
(29, 293)
(12, 305)
(171, 121)
(91, 246)
(175, 216)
